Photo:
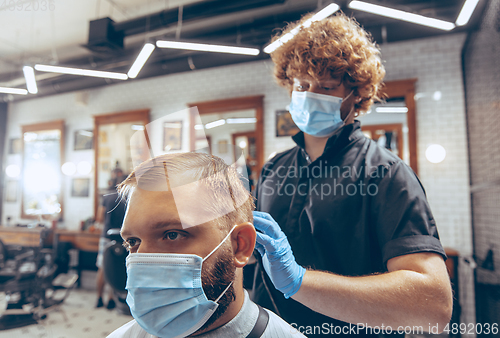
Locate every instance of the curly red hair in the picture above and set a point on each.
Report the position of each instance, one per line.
(336, 47)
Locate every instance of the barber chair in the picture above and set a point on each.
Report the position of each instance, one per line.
(28, 289)
(115, 271)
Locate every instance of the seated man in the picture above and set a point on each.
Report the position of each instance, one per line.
(188, 227)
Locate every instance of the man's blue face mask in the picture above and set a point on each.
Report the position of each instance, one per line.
(165, 293)
(316, 114)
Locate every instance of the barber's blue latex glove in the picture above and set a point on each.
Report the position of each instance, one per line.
(277, 256)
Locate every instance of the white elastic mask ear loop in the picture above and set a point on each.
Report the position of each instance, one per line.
(211, 252)
(352, 108)
(218, 246)
(352, 91)
(223, 292)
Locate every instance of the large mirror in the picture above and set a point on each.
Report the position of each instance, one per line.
(224, 123)
(114, 148)
(42, 146)
(392, 124)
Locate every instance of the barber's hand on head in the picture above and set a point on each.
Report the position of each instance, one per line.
(277, 256)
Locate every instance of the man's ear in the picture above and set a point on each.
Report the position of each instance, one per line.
(243, 238)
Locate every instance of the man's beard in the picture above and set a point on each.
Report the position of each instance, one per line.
(215, 279)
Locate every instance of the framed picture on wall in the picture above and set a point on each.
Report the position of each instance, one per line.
(284, 124)
(83, 139)
(15, 146)
(103, 136)
(172, 135)
(104, 152)
(223, 146)
(80, 187)
(11, 191)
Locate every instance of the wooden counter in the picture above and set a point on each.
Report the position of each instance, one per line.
(80, 240)
(86, 242)
(21, 236)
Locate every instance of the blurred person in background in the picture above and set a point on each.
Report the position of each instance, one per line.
(110, 213)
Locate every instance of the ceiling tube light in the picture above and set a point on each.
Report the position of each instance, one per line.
(83, 72)
(13, 91)
(241, 120)
(141, 60)
(466, 12)
(391, 110)
(401, 15)
(207, 47)
(322, 14)
(215, 124)
(29, 75)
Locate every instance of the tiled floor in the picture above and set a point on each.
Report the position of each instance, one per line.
(84, 321)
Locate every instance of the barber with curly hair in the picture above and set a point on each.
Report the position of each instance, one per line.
(346, 233)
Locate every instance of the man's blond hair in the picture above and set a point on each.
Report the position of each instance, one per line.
(227, 196)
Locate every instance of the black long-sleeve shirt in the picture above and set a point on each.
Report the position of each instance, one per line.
(348, 212)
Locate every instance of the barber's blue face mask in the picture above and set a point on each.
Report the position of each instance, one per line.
(316, 114)
(165, 293)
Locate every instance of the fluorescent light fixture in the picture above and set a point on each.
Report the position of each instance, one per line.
(141, 60)
(241, 120)
(391, 110)
(18, 91)
(198, 126)
(207, 47)
(322, 14)
(83, 72)
(215, 124)
(29, 75)
(466, 12)
(401, 15)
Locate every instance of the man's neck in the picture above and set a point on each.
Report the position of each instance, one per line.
(314, 146)
(232, 310)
